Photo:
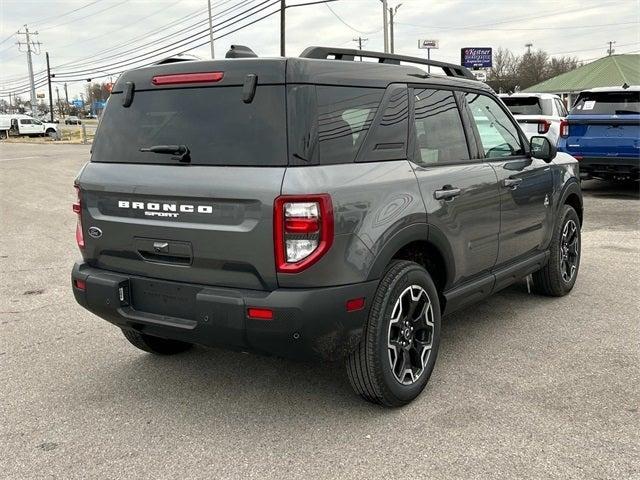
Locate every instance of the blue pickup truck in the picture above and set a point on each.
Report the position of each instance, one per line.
(602, 131)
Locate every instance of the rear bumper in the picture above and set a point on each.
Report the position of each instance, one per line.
(610, 167)
(307, 323)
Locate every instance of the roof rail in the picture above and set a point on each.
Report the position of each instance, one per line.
(349, 54)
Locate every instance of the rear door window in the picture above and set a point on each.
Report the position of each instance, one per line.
(214, 123)
(439, 133)
(499, 135)
(607, 103)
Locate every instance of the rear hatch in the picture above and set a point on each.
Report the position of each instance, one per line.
(204, 217)
(605, 124)
(532, 113)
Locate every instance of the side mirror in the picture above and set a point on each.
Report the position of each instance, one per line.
(542, 148)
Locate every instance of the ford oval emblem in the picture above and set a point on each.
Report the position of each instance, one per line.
(95, 232)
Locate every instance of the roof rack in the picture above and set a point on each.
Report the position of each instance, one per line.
(349, 54)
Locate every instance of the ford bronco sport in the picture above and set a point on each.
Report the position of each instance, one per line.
(316, 207)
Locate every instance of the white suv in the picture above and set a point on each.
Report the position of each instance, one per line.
(537, 113)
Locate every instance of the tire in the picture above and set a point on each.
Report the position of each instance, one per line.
(371, 366)
(559, 275)
(156, 345)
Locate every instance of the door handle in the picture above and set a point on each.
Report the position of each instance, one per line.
(512, 183)
(447, 193)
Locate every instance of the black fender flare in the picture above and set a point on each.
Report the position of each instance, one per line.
(572, 186)
(412, 233)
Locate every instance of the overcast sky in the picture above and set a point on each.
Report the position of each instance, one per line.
(120, 29)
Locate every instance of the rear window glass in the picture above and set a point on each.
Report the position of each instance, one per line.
(345, 115)
(527, 105)
(607, 103)
(214, 123)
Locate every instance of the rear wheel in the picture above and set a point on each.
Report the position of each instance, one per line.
(558, 277)
(399, 344)
(157, 345)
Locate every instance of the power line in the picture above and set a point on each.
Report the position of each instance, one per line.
(86, 16)
(46, 19)
(347, 25)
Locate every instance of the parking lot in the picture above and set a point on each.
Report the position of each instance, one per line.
(524, 387)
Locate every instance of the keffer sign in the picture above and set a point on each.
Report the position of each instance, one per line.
(475, 57)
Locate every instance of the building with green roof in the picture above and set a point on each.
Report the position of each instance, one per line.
(614, 70)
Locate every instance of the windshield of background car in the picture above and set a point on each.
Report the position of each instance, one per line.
(607, 103)
(528, 105)
(214, 123)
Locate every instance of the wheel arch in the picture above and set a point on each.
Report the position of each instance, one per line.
(423, 244)
(572, 195)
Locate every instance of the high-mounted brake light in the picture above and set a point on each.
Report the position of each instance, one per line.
(564, 128)
(303, 230)
(178, 78)
(543, 126)
(77, 209)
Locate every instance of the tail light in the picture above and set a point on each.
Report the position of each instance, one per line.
(564, 128)
(77, 208)
(543, 126)
(303, 230)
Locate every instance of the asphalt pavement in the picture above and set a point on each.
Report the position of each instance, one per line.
(524, 386)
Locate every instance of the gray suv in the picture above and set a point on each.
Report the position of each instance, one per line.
(316, 206)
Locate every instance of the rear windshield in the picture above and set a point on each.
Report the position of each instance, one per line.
(527, 105)
(214, 123)
(607, 103)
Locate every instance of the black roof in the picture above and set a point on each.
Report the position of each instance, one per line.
(299, 70)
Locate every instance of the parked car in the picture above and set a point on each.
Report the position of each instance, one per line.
(336, 210)
(72, 120)
(537, 113)
(24, 125)
(603, 132)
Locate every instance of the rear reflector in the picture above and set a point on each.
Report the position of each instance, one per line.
(355, 304)
(260, 313)
(80, 284)
(178, 78)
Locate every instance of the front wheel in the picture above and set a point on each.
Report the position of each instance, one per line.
(397, 352)
(558, 276)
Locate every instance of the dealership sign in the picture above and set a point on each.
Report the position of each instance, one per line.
(473, 57)
(428, 44)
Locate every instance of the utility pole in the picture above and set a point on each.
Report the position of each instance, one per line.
(611, 50)
(385, 22)
(360, 40)
(528, 46)
(58, 99)
(210, 30)
(49, 82)
(283, 7)
(66, 97)
(392, 12)
(30, 49)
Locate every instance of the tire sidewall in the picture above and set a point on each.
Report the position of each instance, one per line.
(412, 275)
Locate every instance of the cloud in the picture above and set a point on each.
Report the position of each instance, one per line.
(111, 27)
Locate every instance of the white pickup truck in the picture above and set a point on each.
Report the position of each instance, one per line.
(19, 125)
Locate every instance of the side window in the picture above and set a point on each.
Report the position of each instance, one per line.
(440, 137)
(499, 136)
(25, 121)
(344, 117)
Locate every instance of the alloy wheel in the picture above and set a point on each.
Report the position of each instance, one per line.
(569, 250)
(410, 335)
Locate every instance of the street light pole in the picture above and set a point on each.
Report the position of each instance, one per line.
(385, 22)
(49, 82)
(211, 30)
(283, 7)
